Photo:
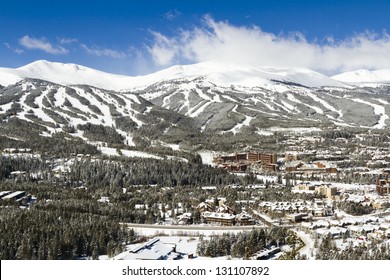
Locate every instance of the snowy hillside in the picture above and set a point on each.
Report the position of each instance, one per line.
(210, 97)
(64, 74)
(365, 77)
(273, 105)
(85, 112)
(215, 73)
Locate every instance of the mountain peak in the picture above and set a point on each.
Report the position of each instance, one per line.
(64, 74)
(44, 65)
(364, 76)
(220, 74)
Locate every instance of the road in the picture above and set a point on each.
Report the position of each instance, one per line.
(192, 227)
(308, 248)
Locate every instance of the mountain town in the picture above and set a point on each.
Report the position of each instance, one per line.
(192, 163)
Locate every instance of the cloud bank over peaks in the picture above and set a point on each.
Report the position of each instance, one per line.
(223, 42)
(42, 44)
(97, 51)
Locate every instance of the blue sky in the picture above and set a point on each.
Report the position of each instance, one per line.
(139, 37)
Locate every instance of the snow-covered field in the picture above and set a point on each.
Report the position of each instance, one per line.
(148, 231)
(127, 153)
(268, 178)
(207, 157)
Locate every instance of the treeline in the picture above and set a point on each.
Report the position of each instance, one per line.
(39, 235)
(101, 133)
(9, 164)
(85, 201)
(24, 134)
(334, 134)
(355, 208)
(243, 244)
(65, 223)
(245, 139)
(146, 171)
(123, 172)
(328, 250)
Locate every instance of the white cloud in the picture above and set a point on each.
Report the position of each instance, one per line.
(42, 44)
(163, 50)
(16, 50)
(221, 41)
(103, 52)
(65, 41)
(171, 15)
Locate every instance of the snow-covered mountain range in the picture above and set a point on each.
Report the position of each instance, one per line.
(215, 73)
(224, 75)
(201, 97)
(365, 77)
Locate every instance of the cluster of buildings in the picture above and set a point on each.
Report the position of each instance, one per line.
(383, 186)
(224, 216)
(13, 196)
(300, 167)
(325, 189)
(298, 209)
(221, 215)
(241, 162)
(252, 161)
(154, 249)
(266, 253)
(19, 152)
(19, 198)
(16, 151)
(356, 227)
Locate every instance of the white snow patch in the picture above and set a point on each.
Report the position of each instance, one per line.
(295, 129)
(325, 104)
(175, 231)
(166, 100)
(175, 147)
(127, 153)
(237, 127)
(229, 98)
(6, 107)
(288, 106)
(383, 101)
(200, 110)
(265, 132)
(202, 95)
(268, 178)
(217, 99)
(59, 97)
(186, 103)
(207, 157)
(315, 108)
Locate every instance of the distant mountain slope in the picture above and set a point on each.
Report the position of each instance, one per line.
(284, 104)
(215, 73)
(87, 112)
(364, 76)
(63, 74)
(188, 100)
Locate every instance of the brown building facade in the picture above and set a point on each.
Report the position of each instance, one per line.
(383, 186)
(241, 161)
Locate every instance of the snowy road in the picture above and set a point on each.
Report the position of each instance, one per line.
(308, 249)
(189, 227)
